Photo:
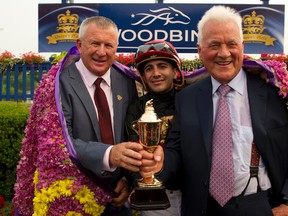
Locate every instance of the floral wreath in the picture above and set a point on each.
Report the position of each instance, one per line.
(272, 71)
(277, 75)
(49, 181)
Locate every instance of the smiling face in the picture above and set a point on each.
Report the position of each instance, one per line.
(159, 76)
(221, 50)
(98, 48)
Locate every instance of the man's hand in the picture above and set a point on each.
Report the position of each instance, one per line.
(281, 210)
(123, 190)
(151, 162)
(126, 155)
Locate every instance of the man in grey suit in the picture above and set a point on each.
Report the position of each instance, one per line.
(97, 44)
(257, 124)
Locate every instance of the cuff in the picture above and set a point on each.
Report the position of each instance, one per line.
(106, 164)
(285, 200)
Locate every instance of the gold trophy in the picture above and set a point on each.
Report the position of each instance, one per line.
(149, 194)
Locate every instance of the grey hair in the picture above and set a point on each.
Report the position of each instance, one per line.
(220, 13)
(99, 21)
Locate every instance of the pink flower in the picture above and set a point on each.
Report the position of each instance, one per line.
(44, 150)
(279, 77)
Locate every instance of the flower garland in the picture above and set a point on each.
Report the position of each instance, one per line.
(279, 76)
(58, 187)
(273, 71)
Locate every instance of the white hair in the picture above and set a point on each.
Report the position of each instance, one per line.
(220, 13)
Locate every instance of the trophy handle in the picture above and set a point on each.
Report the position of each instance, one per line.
(134, 126)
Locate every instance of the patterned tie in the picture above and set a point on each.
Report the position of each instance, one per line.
(222, 172)
(103, 113)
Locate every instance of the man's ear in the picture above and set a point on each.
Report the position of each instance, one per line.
(199, 51)
(78, 43)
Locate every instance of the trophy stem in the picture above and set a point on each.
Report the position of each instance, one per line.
(148, 180)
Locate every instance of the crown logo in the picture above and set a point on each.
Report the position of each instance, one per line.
(67, 28)
(253, 24)
(253, 27)
(68, 23)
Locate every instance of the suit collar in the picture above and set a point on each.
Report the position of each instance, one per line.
(118, 101)
(205, 109)
(83, 94)
(258, 99)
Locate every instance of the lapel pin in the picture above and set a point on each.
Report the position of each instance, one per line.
(119, 97)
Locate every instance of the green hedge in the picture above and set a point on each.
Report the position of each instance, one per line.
(13, 118)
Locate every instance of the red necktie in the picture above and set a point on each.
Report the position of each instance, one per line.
(103, 113)
(222, 170)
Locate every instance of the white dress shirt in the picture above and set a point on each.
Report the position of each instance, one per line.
(242, 135)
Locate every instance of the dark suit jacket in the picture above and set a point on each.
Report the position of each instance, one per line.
(81, 118)
(190, 140)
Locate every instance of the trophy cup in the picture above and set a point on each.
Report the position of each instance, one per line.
(149, 194)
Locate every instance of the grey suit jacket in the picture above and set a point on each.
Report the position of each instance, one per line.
(81, 118)
(190, 140)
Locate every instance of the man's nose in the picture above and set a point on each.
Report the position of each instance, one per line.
(224, 51)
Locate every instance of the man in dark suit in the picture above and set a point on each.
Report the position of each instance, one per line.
(258, 132)
(97, 44)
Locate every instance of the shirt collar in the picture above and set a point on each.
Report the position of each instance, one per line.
(89, 77)
(237, 83)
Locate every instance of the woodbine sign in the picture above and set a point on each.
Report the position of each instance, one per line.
(263, 26)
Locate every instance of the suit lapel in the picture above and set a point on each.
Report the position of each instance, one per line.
(205, 110)
(258, 107)
(83, 94)
(118, 100)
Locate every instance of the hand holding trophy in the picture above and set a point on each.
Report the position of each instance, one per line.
(149, 193)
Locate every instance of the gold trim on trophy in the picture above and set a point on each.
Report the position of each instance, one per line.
(149, 193)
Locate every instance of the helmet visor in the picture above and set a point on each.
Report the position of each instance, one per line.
(157, 46)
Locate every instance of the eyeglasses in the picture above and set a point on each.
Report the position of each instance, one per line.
(157, 47)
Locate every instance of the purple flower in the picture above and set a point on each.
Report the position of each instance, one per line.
(44, 150)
